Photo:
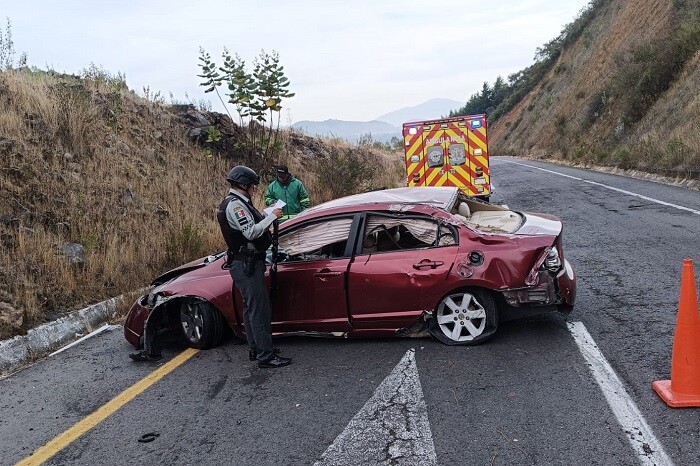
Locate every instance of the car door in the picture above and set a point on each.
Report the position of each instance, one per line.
(390, 279)
(311, 292)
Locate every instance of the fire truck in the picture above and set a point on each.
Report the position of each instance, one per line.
(449, 152)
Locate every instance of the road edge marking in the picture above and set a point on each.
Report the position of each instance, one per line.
(104, 328)
(64, 439)
(639, 435)
(629, 193)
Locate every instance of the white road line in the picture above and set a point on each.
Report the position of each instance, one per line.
(646, 198)
(391, 428)
(91, 334)
(648, 449)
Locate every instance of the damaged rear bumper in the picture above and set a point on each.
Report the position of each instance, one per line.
(550, 292)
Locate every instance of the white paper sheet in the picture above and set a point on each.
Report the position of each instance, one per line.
(277, 205)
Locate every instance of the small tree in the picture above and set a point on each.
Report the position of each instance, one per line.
(272, 88)
(255, 96)
(7, 50)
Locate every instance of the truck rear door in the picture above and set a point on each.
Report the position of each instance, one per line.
(446, 152)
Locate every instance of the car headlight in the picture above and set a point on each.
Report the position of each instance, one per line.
(552, 262)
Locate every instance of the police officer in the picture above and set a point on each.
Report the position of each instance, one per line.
(247, 236)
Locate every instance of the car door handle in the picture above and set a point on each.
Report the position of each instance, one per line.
(323, 273)
(427, 263)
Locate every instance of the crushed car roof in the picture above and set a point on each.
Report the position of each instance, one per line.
(441, 197)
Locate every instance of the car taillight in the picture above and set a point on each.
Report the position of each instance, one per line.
(552, 262)
(548, 260)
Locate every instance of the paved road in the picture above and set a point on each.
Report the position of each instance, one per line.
(527, 396)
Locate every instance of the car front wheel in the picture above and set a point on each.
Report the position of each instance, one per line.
(201, 323)
(465, 317)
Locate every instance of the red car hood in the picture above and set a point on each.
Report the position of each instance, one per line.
(195, 264)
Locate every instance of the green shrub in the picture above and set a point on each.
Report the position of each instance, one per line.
(623, 158)
(561, 123)
(101, 77)
(676, 155)
(345, 171)
(596, 106)
(184, 243)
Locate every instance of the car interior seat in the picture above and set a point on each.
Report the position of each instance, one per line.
(463, 212)
(387, 240)
(370, 243)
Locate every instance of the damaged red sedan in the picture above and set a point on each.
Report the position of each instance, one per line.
(396, 262)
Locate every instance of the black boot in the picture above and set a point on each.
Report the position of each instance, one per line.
(275, 361)
(144, 356)
(253, 355)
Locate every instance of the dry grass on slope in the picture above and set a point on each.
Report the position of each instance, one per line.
(100, 167)
(88, 162)
(656, 146)
(554, 117)
(602, 102)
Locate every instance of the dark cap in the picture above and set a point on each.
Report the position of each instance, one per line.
(282, 169)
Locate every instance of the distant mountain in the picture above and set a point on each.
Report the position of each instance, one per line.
(433, 108)
(349, 130)
(383, 128)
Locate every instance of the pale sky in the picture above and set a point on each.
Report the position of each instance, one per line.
(345, 60)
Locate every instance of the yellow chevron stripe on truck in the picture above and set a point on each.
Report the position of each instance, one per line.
(443, 137)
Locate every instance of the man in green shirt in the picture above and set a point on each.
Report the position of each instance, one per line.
(290, 190)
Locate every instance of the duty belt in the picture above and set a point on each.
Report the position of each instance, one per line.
(245, 256)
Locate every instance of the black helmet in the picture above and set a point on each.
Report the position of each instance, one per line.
(243, 175)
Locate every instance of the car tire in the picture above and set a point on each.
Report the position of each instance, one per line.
(465, 317)
(202, 325)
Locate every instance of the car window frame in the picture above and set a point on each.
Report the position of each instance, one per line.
(349, 245)
(440, 223)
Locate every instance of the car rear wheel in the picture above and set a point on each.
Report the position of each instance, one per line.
(202, 325)
(465, 317)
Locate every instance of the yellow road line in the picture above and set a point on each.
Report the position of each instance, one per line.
(103, 412)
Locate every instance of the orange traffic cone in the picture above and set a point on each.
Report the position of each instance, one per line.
(683, 390)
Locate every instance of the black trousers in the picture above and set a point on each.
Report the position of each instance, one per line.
(257, 316)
